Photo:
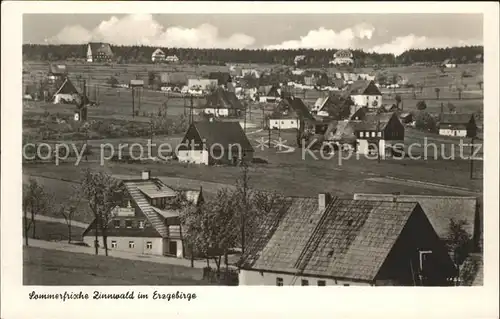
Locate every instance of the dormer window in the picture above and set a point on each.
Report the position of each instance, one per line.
(141, 224)
(128, 223)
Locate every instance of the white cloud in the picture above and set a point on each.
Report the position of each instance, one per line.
(411, 41)
(326, 38)
(144, 30)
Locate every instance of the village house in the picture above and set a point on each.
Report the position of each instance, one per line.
(171, 59)
(449, 63)
(270, 94)
(67, 92)
(290, 113)
(149, 222)
(223, 78)
(158, 56)
(222, 103)
(334, 105)
(440, 210)
(99, 52)
(456, 124)
(342, 57)
(57, 72)
(383, 133)
(250, 72)
(365, 93)
(178, 79)
(331, 241)
(215, 142)
(299, 59)
(202, 84)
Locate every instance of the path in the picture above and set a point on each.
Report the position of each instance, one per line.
(60, 221)
(62, 246)
(393, 180)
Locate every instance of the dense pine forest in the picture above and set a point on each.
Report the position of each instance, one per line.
(142, 54)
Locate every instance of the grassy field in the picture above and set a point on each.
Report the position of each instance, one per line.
(52, 267)
(55, 231)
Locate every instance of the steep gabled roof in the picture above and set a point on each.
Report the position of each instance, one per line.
(221, 77)
(296, 105)
(158, 52)
(439, 209)
(224, 133)
(67, 87)
(100, 47)
(455, 118)
(221, 98)
(361, 88)
(349, 239)
(374, 122)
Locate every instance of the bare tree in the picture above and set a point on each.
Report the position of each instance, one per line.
(68, 211)
(103, 193)
(35, 201)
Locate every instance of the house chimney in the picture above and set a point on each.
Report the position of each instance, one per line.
(146, 175)
(323, 200)
(395, 196)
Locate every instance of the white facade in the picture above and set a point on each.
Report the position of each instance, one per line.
(158, 56)
(269, 99)
(203, 84)
(217, 112)
(364, 147)
(452, 132)
(89, 53)
(193, 156)
(59, 97)
(137, 245)
(172, 59)
(257, 278)
(364, 100)
(283, 124)
(450, 65)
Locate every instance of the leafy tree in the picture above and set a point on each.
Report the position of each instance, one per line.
(451, 107)
(103, 193)
(459, 242)
(421, 105)
(35, 201)
(398, 100)
(437, 90)
(425, 121)
(69, 210)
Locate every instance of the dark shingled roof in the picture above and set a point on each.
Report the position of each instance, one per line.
(224, 133)
(296, 105)
(221, 77)
(221, 98)
(455, 118)
(97, 47)
(371, 121)
(359, 87)
(349, 239)
(439, 209)
(67, 87)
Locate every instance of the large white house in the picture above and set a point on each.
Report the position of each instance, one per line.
(171, 59)
(158, 56)
(290, 113)
(149, 222)
(365, 93)
(99, 52)
(342, 57)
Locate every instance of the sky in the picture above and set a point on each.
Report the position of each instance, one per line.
(381, 33)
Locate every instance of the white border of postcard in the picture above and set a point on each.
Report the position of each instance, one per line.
(461, 302)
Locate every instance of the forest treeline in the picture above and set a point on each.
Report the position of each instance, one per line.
(142, 54)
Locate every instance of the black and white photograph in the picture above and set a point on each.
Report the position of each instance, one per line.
(251, 149)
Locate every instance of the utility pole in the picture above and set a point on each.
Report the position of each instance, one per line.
(378, 140)
(245, 120)
(245, 203)
(471, 160)
(191, 110)
(133, 102)
(269, 136)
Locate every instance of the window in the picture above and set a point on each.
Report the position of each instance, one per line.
(128, 223)
(116, 222)
(305, 282)
(373, 134)
(321, 283)
(282, 122)
(141, 224)
(131, 244)
(291, 122)
(149, 245)
(361, 134)
(113, 244)
(279, 281)
(346, 285)
(379, 134)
